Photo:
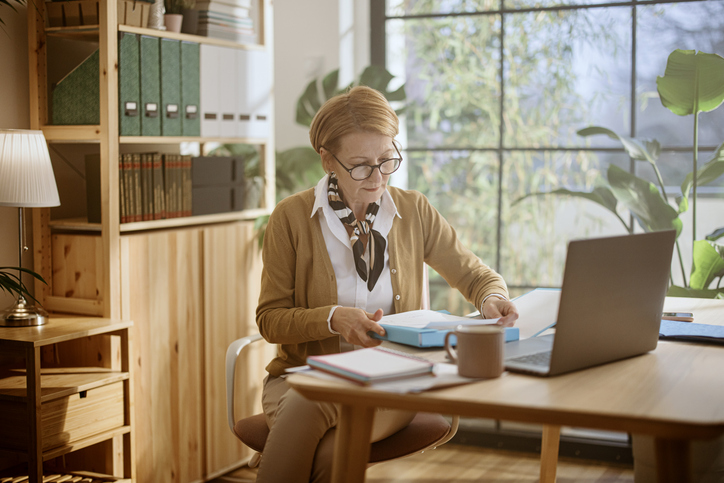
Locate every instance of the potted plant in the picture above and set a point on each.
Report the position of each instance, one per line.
(174, 13)
(12, 283)
(691, 84)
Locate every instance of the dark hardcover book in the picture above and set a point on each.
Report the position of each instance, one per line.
(159, 196)
(122, 191)
(137, 187)
(129, 188)
(147, 184)
(187, 194)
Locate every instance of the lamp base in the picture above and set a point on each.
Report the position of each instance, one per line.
(23, 314)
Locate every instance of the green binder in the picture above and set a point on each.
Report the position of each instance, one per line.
(129, 85)
(77, 96)
(170, 87)
(190, 90)
(150, 87)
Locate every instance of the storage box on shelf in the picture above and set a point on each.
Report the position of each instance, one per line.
(86, 13)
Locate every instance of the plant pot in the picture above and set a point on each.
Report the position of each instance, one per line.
(173, 22)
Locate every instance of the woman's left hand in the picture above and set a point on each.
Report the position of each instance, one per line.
(495, 308)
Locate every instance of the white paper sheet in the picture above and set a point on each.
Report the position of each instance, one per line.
(430, 319)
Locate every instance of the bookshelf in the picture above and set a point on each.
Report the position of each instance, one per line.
(190, 285)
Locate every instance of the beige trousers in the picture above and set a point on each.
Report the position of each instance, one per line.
(300, 445)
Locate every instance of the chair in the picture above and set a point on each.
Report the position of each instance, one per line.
(425, 431)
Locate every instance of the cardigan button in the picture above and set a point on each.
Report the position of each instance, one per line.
(393, 271)
(397, 297)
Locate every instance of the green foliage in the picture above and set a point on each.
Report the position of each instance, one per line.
(318, 91)
(178, 6)
(708, 264)
(692, 83)
(644, 201)
(711, 171)
(12, 283)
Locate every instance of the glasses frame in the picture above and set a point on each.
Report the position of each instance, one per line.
(372, 170)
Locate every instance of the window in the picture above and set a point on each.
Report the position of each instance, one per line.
(497, 90)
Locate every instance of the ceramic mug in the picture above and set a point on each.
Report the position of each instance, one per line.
(479, 350)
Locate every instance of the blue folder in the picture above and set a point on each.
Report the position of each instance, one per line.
(428, 337)
(691, 332)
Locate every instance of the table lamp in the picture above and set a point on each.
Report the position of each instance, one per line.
(26, 181)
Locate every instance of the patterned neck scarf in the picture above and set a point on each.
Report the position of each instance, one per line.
(376, 242)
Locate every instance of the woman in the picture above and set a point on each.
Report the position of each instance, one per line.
(339, 256)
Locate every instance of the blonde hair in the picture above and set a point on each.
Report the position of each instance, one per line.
(360, 109)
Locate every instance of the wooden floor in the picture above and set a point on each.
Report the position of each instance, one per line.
(467, 464)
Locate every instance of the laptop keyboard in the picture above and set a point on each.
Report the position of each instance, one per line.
(542, 359)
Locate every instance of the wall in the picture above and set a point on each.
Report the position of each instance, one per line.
(311, 39)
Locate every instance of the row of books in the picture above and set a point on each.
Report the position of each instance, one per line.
(154, 186)
(226, 19)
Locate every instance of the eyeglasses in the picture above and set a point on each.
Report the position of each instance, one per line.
(364, 171)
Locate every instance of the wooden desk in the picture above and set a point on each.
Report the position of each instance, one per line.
(673, 394)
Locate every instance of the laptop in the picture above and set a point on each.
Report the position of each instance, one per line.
(610, 309)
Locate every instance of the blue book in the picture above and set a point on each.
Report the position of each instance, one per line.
(428, 337)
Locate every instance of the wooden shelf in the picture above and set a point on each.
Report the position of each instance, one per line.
(57, 383)
(188, 139)
(82, 224)
(189, 38)
(90, 33)
(84, 443)
(92, 134)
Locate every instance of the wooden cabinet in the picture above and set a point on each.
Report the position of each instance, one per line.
(51, 411)
(189, 284)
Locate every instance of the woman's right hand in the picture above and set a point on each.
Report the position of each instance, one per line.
(353, 324)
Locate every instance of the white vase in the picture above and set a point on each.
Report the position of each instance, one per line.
(173, 22)
(155, 16)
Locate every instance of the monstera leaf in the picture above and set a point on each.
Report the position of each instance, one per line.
(708, 264)
(320, 90)
(693, 82)
(643, 200)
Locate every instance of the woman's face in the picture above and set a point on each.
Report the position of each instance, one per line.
(357, 149)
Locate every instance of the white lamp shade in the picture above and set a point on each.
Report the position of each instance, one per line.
(26, 173)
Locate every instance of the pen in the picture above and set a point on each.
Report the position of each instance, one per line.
(678, 316)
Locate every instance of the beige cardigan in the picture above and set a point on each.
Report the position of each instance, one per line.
(298, 286)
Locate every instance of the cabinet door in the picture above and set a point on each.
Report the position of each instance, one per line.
(232, 273)
(163, 293)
